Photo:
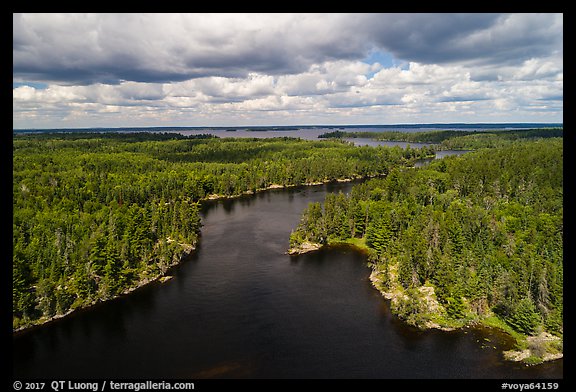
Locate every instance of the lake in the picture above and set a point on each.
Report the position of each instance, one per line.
(239, 307)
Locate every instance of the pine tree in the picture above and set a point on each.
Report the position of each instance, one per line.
(525, 318)
(379, 234)
(112, 276)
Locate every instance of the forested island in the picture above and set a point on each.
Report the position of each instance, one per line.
(453, 139)
(468, 239)
(98, 214)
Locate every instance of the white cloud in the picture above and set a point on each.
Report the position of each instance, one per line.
(109, 48)
(330, 93)
(326, 78)
(52, 94)
(538, 69)
(189, 69)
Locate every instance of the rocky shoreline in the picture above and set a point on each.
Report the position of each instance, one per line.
(161, 277)
(304, 247)
(216, 196)
(534, 354)
(535, 343)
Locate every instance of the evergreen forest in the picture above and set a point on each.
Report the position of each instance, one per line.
(465, 239)
(96, 214)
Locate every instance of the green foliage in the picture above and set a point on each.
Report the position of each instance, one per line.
(485, 229)
(455, 307)
(453, 139)
(334, 135)
(524, 317)
(96, 214)
(498, 138)
(410, 308)
(553, 322)
(379, 234)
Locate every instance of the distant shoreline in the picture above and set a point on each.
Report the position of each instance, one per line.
(296, 127)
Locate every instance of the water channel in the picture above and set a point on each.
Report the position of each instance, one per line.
(239, 307)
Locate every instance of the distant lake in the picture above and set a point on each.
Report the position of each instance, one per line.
(304, 132)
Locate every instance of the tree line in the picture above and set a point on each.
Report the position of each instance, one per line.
(97, 214)
(482, 231)
(454, 139)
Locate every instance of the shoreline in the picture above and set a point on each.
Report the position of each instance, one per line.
(303, 248)
(216, 196)
(161, 277)
(212, 197)
(517, 354)
(187, 250)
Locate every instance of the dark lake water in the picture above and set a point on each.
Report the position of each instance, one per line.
(241, 308)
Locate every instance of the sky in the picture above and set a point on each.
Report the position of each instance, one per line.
(123, 70)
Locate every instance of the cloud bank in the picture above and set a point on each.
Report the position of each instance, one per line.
(257, 69)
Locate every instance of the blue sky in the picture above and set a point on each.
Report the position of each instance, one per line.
(36, 85)
(386, 59)
(94, 70)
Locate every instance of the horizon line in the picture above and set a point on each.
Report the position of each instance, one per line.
(400, 125)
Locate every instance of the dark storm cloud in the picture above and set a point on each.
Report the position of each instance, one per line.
(479, 39)
(427, 38)
(80, 49)
(110, 48)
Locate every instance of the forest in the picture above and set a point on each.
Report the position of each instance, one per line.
(476, 238)
(97, 214)
(454, 139)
